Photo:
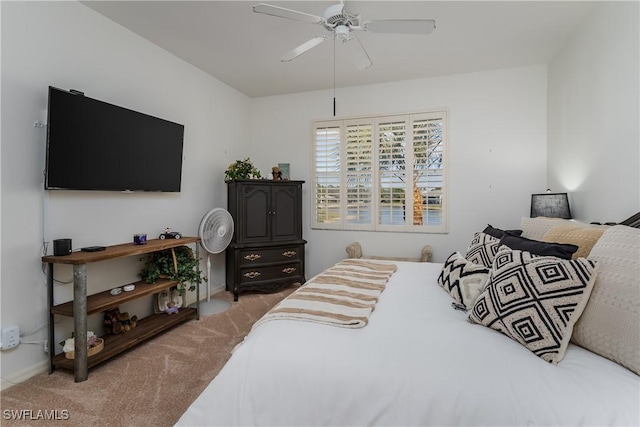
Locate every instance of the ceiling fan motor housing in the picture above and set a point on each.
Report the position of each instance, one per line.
(336, 16)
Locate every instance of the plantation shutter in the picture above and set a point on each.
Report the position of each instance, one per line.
(327, 174)
(359, 173)
(391, 172)
(385, 173)
(428, 171)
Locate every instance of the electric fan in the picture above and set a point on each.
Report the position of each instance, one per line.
(215, 232)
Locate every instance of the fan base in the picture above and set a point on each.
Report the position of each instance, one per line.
(213, 306)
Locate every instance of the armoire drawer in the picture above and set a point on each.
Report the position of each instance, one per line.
(269, 255)
(280, 271)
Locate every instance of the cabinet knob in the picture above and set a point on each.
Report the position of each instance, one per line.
(252, 274)
(289, 270)
(252, 257)
(289, 254)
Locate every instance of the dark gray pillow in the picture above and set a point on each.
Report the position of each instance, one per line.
(559, 250)
(498, 233)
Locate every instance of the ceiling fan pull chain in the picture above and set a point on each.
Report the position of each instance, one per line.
(334, 77)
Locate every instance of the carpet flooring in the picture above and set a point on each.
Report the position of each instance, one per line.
(152, 384)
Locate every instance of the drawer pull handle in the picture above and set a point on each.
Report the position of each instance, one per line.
(252, 257)
(289, 270)
(289, 254)
(252, 274)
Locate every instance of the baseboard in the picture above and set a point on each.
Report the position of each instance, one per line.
(24, 374)
(217, 289)
(203, 292)
(191, 297)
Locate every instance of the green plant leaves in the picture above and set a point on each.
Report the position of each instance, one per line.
(242, 169)
(160, 265)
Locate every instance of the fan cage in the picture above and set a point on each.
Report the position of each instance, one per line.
(216, 230)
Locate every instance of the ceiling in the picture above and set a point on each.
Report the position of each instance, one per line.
(227, 40)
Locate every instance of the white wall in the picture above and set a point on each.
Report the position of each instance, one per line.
(497, 136)
(67, 45)
(497, 128)
(593, 116)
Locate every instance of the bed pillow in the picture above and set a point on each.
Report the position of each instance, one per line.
(583, 237)
(535, 300)
(536, 228)
(536, 247)
(464, 280)
(482, 249)
(498, 233)
(610, 325)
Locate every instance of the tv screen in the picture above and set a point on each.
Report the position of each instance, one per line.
(94, 145)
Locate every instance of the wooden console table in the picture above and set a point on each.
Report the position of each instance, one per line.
(82, 305)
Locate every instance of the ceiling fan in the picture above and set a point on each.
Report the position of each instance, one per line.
(341, 24)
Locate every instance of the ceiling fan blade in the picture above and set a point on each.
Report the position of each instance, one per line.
(358, 53)
(401, 26)
(310, 44)
(281, 12)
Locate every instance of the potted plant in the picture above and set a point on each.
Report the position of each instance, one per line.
(241, 169)
(177, 264)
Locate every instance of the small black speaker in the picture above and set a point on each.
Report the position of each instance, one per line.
(61, 247)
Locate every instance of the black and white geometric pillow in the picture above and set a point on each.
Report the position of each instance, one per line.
(464, 280)
(482, 249)
(535, 300)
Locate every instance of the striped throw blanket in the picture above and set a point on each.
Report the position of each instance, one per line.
(343, 295)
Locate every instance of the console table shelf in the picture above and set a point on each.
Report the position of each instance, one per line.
(83, 305)
(105, 301)
(146, 328)
(119, 251)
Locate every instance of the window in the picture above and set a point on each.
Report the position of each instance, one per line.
(381, 173)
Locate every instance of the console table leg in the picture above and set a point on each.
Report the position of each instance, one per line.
(80, 322)
(198, 283)
(52, 340)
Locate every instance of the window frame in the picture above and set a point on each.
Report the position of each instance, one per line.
(409, 120)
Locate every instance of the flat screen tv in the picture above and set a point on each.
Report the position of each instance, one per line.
(94, 145)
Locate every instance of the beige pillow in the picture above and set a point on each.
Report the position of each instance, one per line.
(583, 237)
(610, 324)
(536, 228)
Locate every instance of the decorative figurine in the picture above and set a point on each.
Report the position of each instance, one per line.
(171, 308)
(277, 174)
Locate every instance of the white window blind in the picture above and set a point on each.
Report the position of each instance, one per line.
(381, 173)
(359, 174)
(327, 174)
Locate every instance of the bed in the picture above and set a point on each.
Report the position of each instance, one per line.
(418, 361)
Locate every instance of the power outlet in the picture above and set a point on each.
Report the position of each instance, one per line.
(10, 337)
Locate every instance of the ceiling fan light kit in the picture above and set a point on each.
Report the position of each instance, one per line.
(341, 32)
(341, 23)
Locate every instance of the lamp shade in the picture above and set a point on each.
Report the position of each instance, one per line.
(550, 205)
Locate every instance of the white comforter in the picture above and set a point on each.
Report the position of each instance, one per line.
(417, 362)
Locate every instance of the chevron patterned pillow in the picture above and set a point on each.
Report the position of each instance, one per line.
(535, 300)
(482, 249)
(464, 280)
